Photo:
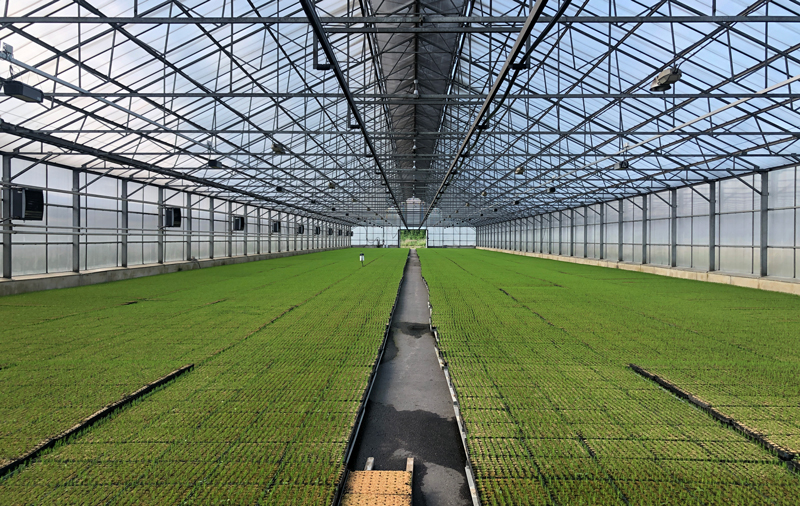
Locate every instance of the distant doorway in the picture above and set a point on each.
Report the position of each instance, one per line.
(413, 238)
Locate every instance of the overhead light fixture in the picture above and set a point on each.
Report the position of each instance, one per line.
(552, 189)
(621, 165)
(215, 164)
(519, 170)
(331, 186)
(665, 79)
(516, 202)
(313, 201)
(279, 189)
(483, 193)
(22, 91)
(278, 148)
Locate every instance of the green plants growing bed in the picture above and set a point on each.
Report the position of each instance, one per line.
(538, 351)
(283, 351)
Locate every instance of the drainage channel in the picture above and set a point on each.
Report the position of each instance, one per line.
(409, 413)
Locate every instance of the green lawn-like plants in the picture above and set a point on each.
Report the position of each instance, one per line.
(413, 238)
(284, 349)
(539, 350)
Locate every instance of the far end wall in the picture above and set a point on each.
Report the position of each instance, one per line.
(438, 237)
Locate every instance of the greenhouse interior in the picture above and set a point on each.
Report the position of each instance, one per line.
(400, 252)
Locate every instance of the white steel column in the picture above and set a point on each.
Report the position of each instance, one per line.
(602, 230)
(76, 222)
(764, 214)
(620, 227)
(269, 230)
(560, 228)
(673, 232)
(572, 232)
(230, 228)
(712, 225)
(124, 223)
(586, 232)
(188, 226)
(258, 230)
(244, 232)
(7, 228)
(211, 228)
(644, 229)
(160, 225)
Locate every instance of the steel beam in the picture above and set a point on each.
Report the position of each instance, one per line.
(423, 20)
(522, 39)
(126, 162)
(316, 26)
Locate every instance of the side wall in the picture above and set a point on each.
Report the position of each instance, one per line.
(25, 284)
(771, 284)
(740, 226)
(95, 221)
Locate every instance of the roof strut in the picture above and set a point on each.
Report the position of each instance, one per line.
(123, 161)
(319, 31)
(483, 114)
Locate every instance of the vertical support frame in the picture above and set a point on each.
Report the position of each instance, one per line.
(212, 210)
(620, 228)
(244, 232)
(230, 228)
(673, 228)
(712, 226)
(602, 230)
(644, 229)
(160, 225)
(188, 226)
(764, 215)
(125, 224)
(7, 227)
(76, 221)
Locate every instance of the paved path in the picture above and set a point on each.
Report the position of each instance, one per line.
(410, 412)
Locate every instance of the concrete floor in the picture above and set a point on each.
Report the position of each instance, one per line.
(410, 412)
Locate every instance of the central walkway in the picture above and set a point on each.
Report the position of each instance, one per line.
(410, 412)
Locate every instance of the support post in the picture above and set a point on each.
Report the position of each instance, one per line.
(244, 232)
(673, 231)
(211, 227)
(7, 228)
(712, 226)
(619, 230)
(764, 214)
(188, 226)
(230, 228)
(258, 230)
(269, 231)
(124, 224)
(160, 225)
(602, 230)
(586, 232)
(572, 232)
(76, 221)
(644, 229)
(280, 232)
